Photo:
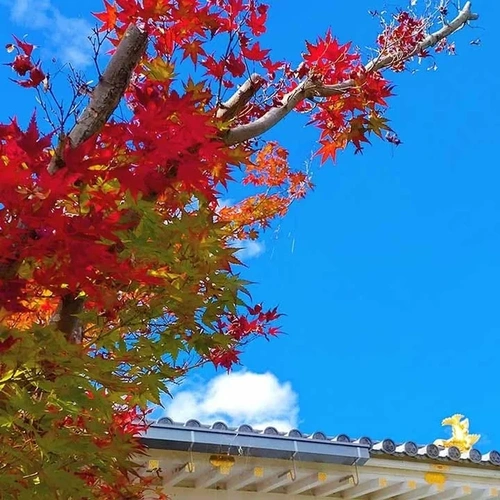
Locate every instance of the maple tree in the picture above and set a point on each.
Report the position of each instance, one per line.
(118, 263)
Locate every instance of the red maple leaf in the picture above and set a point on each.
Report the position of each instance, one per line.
(328, 149)
(214, 68)
(235, 65)
(255, 52)
(193, 50)
(27, 48)
(108, 18)
(21, 64)
(30, 141)
(257, 20)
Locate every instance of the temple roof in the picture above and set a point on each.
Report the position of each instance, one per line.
(214, 462)
(316, 447)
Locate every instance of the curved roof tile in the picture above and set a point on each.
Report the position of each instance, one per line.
(386, 447)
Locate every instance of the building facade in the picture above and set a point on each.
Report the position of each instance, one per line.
(199, 462)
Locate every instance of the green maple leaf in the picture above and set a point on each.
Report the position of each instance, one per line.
(377, 124)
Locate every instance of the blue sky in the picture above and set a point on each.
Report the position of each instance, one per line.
(388, 273)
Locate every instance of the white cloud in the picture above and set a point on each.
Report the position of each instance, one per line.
(257, 399)
(66, 38)
(249, 249)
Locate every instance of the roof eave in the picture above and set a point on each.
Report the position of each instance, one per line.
(254, 445)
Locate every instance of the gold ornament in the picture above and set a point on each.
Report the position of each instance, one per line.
(460, 434)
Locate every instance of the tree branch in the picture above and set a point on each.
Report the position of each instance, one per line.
(242, 133)
(311, 88)
(108, 92)
(66, 319)
(463, 17)
(235, 104)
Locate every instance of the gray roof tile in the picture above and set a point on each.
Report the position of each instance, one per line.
(385, 447)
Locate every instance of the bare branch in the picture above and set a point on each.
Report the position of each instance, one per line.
(311, 88)
(242, 133)
(235, 104)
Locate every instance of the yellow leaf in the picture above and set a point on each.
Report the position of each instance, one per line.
(377, 124)
(159, 70)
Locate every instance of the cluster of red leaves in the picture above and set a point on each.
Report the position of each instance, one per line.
(37, 223)
(350, 117)
(240, 328)
(402, 39)
(186, 26)
(24, 66)
(329, 60)
(72, 221)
